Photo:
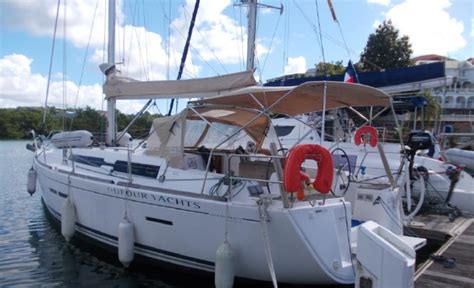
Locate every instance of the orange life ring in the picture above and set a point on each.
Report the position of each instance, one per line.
(294, 179)
(366, 134)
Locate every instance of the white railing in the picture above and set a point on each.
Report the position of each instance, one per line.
(452, 117)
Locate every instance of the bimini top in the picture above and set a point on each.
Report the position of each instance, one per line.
(305, 98)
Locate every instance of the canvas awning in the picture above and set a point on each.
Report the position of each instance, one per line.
(254, 123)
(305, 98)
(127, 88)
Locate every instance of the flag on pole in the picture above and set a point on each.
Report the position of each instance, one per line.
(350, 75)
(333, 13)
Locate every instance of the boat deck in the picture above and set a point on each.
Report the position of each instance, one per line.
(441, 270)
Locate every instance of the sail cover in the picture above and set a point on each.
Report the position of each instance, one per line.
(127, 88)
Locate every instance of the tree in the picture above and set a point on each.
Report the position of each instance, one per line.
(16, 123)
(432, 110)
(385, 49)
(326, 69)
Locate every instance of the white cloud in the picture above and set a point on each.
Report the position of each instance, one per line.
(295, 65)
(217, 37)
(376, 24)
(20, 87)
(472, 28)
(380, 2)
(430, 27)
(38, 17)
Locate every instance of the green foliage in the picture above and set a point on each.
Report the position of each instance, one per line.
(17, 123)
(333, 68)
(432, 110)
(385, 49)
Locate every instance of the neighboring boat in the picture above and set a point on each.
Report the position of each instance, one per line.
(459, 157)
(214, 191)
(365, 161)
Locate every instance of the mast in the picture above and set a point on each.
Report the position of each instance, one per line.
(252, 27)
(111, 102)
(186, 48)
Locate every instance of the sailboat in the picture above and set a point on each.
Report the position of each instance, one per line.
(214, 191)
(443, 182)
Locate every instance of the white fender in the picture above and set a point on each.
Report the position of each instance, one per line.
(126, 242)
(68, 219)
(125, 140)
(31, 184)
(225, 267)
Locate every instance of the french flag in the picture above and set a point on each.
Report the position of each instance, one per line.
(350, 75)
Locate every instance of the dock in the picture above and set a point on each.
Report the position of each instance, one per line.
(451, 265)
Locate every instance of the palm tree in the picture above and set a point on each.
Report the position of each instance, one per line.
(431, 112)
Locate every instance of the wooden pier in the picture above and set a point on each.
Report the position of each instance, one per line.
(441, 270)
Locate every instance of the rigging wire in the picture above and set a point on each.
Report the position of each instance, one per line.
(241, 36)
(133, 11)
(344, 39)
(271, 44)
(195, 51)
(51, 64)
(346, 47)
(85, 55)
(84, 62)
(210, 49)
(286, 36)
(169, 43)
(191, 74)
(237, 37)
(102, 126)
(124, 34)
(315, 29)
(186, 47)
(147, 64)
(321, 37)
(64, 64)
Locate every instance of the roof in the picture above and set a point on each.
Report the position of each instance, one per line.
(430, 57)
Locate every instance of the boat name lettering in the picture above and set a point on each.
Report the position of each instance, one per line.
(158, 198)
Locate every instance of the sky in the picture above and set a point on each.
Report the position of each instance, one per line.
(150, 36)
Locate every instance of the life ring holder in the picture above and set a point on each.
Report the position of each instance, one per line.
(294, 179)
(366, 135)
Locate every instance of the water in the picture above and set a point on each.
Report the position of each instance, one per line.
(34, 254)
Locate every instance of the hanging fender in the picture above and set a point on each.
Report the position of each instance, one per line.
(366, 134)
(294, 179)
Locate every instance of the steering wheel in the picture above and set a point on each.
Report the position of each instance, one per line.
(342, 179)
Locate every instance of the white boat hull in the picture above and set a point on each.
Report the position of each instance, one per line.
(460, 157)
(310, 245)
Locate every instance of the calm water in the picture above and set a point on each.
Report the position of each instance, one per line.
(34, 254)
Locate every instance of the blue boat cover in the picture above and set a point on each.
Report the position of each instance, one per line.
(388, 77)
